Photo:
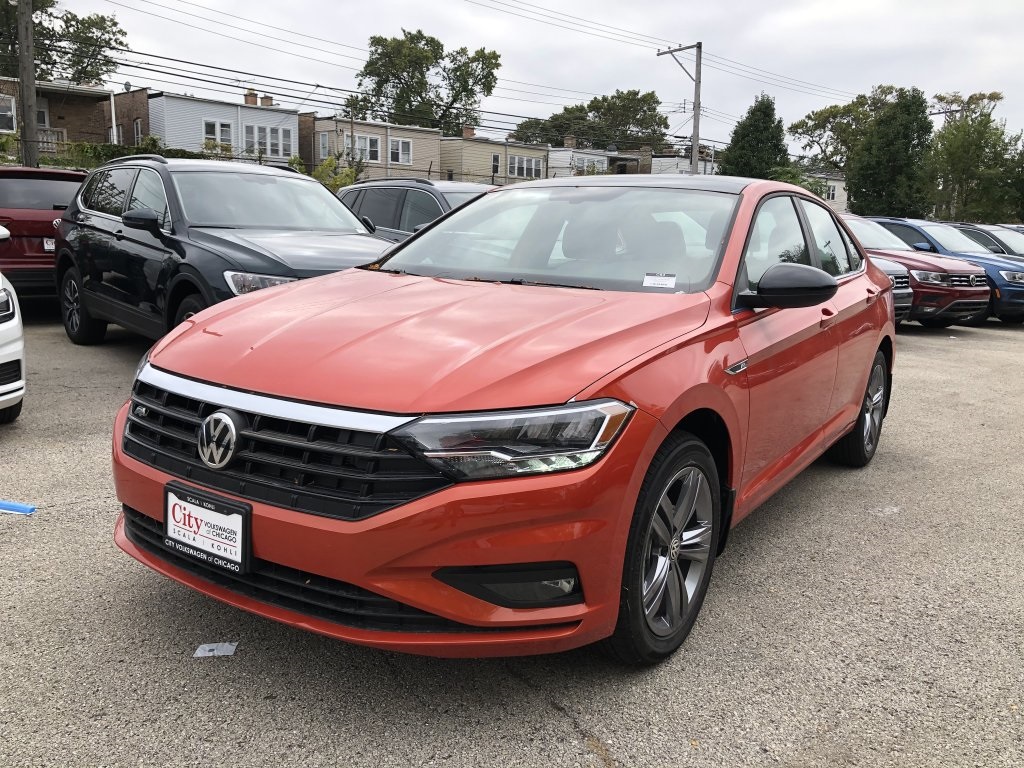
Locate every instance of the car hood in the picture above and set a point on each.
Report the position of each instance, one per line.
(408, 344)
(889, 267)
(991, 261)
(304, 253)
(928, 262)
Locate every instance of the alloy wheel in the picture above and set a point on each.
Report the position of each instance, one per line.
(677, 550)
(874, 405)
(72, 306)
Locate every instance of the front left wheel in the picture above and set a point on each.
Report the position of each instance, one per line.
(670, 552)
(858, 446)
(10, 413)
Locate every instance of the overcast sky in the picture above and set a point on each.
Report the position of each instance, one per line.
(806, 53)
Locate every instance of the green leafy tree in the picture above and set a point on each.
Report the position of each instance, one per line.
(975, 162)
(412, 80)
(627, 119)
(757, 146)
(830, 133)
(67, 46)
(799, 175)
(886, 172)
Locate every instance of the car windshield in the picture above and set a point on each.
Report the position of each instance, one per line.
(614, 238)
(455, 199)
(876, 237)
(952, 239)
(36, 194)
(260, 200)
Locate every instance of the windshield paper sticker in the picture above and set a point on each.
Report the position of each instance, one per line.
(659, 280)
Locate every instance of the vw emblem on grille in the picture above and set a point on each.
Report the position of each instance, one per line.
(218, 438)
(974, 279)
(892, 280)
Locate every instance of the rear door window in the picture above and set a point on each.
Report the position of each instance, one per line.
(829, 243)
(381, 206)
(108, 191)
(36, 194)
(419, 208)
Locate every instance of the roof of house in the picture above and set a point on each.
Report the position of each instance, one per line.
(64, 86)
(161, 94)
(344, 121)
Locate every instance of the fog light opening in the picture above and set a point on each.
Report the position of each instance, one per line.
(524, 585)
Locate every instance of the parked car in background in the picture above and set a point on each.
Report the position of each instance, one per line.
(543, 449)
(995, 238)
(902, 294)
(1005, 274)
(397, 207)
(149, 241)
(30, 200)
(12, 348)
(945, 290)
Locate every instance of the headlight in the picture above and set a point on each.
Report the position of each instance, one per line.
(477, 446)
(142, 363)
(6, 305)
(245, 282)
(1013, 277)
(937, 278)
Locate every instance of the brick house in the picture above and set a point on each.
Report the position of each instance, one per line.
(64, 112)
(131, 110)
(386, 149)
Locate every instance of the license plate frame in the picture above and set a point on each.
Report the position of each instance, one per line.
(49, 244)
(211, 546)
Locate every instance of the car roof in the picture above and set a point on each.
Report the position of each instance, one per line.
(441, 185)
(733, 184)
(177, 164)
(21, 171)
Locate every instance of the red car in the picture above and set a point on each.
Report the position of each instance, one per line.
(30, 200)
(527, 428)
(946, 291)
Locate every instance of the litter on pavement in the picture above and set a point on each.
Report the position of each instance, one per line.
(16, 508)
(215, 649)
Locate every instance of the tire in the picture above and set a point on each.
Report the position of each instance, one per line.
(857, 447)
(930, 322)
(190, 305)
(79, 325)
(670, 553)
(10, 413)
(1011, 319)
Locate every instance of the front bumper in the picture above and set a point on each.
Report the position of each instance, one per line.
(580, 517)
(903, 302)
(1008, 300)
(12, 360)
(940, 301)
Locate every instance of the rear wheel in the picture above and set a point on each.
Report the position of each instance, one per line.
(858, 447)
(670, 552)
(79, 325)
(10, 413)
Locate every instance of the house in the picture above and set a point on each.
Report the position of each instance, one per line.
(385, 149)
(489, 161)
(251, 129)
(835, 190)
(64, 112)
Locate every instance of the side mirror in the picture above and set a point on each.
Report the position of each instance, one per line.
(368, 224)
(996, 249)
(790, 285)
(142, 218)
(5, 234)
(923, 247)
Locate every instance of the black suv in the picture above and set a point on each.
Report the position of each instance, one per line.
(398, 207)
(148, 241)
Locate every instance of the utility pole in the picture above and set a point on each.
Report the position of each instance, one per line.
(27, 83)
(695, 147)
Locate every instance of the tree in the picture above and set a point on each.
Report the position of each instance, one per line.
(886, 172)
(67, 46)
(757, 146)
(975, 162)
(411, 80)
(627, 119)
(829, 134)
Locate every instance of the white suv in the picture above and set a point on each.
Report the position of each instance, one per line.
(12, 349)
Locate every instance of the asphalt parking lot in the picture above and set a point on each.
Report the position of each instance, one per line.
(860, 618)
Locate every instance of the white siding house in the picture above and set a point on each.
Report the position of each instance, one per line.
(570, 161)
(240, 130)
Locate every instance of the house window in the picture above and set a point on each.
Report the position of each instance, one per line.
(581, 164)
(368, 148)
(495, 164)
(137, 129)
(831, 193)
(324, 151)
(275, 142)
(286, 142)
(6, 113)
(401, 151)
(250, 139)
(217, 135)
(524, 167)
(261, 139)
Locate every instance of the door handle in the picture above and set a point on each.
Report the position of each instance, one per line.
(828, 317)
(872, 295)
(119, 235)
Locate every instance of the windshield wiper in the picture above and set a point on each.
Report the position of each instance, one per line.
(521, 281)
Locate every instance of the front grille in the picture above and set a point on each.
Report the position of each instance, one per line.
(330, 471)
(964, 281)
(900, 281)
(10, 372)
(296, 590)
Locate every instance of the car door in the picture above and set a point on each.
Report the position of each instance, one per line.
(791, 356)
(382, 207)
(418, 208)
(860, 309)
(100, 256)
(145, 260)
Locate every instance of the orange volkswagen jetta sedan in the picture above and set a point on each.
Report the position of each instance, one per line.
(528, 428)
